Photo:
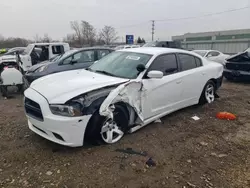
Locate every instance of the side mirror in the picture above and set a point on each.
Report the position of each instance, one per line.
(140, 67)
(72, 62)
(155, 74)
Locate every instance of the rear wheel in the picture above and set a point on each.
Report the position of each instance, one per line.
(208, 94)
(107, 130)
(4, 91)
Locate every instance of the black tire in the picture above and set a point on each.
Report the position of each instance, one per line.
(203, 99)
(93, 131)
(4, 91)
(20, 88)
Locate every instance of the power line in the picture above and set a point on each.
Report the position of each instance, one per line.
(205, 15)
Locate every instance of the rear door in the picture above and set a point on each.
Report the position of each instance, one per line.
(194, 78)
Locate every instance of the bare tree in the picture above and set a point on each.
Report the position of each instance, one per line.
(37, 38)
(46, 38)
(88, 33)
(108, 34)
(78, 32)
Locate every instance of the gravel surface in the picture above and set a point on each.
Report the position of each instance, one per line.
(184, 153)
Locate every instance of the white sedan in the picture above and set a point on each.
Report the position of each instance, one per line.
(120, 93)
(213, 55)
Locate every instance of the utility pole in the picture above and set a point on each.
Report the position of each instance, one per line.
(153, 29)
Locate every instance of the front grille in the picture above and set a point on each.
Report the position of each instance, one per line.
(33, 109)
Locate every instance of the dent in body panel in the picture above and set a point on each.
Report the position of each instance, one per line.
(129, 93)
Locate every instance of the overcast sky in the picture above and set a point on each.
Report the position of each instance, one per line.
(26, 18)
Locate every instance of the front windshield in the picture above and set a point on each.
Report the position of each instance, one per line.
(201, 53)
(150, 44)
(28, 49)
(121, 64)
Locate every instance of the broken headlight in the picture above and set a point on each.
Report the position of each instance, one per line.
(68, 110)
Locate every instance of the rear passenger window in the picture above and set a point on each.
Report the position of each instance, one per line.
(198, 62)
(57, 49)
(187, 62)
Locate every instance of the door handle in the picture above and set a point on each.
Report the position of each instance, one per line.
(203, 73)
(178, 82)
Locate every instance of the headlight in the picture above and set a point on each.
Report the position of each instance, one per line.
(72, 110)
(41, 69)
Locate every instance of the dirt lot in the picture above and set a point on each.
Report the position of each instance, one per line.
(204, 153)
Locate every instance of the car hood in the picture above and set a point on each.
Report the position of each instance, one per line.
(60, 87)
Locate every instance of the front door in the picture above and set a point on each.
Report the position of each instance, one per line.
(162, 95)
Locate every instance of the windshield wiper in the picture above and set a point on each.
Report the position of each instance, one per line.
(105, 72)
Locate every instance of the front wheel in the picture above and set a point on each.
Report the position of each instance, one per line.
(107, 130)
(208, 94)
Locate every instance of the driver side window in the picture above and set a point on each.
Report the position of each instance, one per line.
(166, 64)
(81, 57)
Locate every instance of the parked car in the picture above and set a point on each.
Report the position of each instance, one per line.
(122, 92)
(127, 47)
(213, 55)
(237, 67)
(39, 52)
(71, 60)
(164, 44)
(10, 56)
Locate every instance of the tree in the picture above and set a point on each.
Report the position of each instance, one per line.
(108, 34)
(78, 33)
(139, 41)
(143, 41)
(88, 32)
(46, 38)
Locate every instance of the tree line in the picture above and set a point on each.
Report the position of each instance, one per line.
(83, 34)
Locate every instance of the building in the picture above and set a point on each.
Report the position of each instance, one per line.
(231, 41)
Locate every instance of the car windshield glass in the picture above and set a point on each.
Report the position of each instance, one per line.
(28, 49)
(201, 53)
(150, 44)
(121, 64)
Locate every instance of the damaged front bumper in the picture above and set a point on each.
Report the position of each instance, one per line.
(68, 131)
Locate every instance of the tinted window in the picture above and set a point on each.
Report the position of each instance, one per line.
(198, 62)
(57, 49)
(165, 63)
(81, 57)
(187, 61)
(102, 53)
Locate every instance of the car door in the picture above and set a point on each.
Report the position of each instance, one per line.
(194, 78)
(78, 60)
(162, 95)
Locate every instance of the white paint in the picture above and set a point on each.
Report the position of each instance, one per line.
(150, 98)
(220, 58)
(11, 76)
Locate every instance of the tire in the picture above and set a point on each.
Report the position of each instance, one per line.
(4, 91)
(20, 88)
(102, 130)
(208, 94)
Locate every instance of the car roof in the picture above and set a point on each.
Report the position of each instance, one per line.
(155, 50)
(96, 48)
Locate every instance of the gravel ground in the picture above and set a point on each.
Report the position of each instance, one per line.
(205, 153)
